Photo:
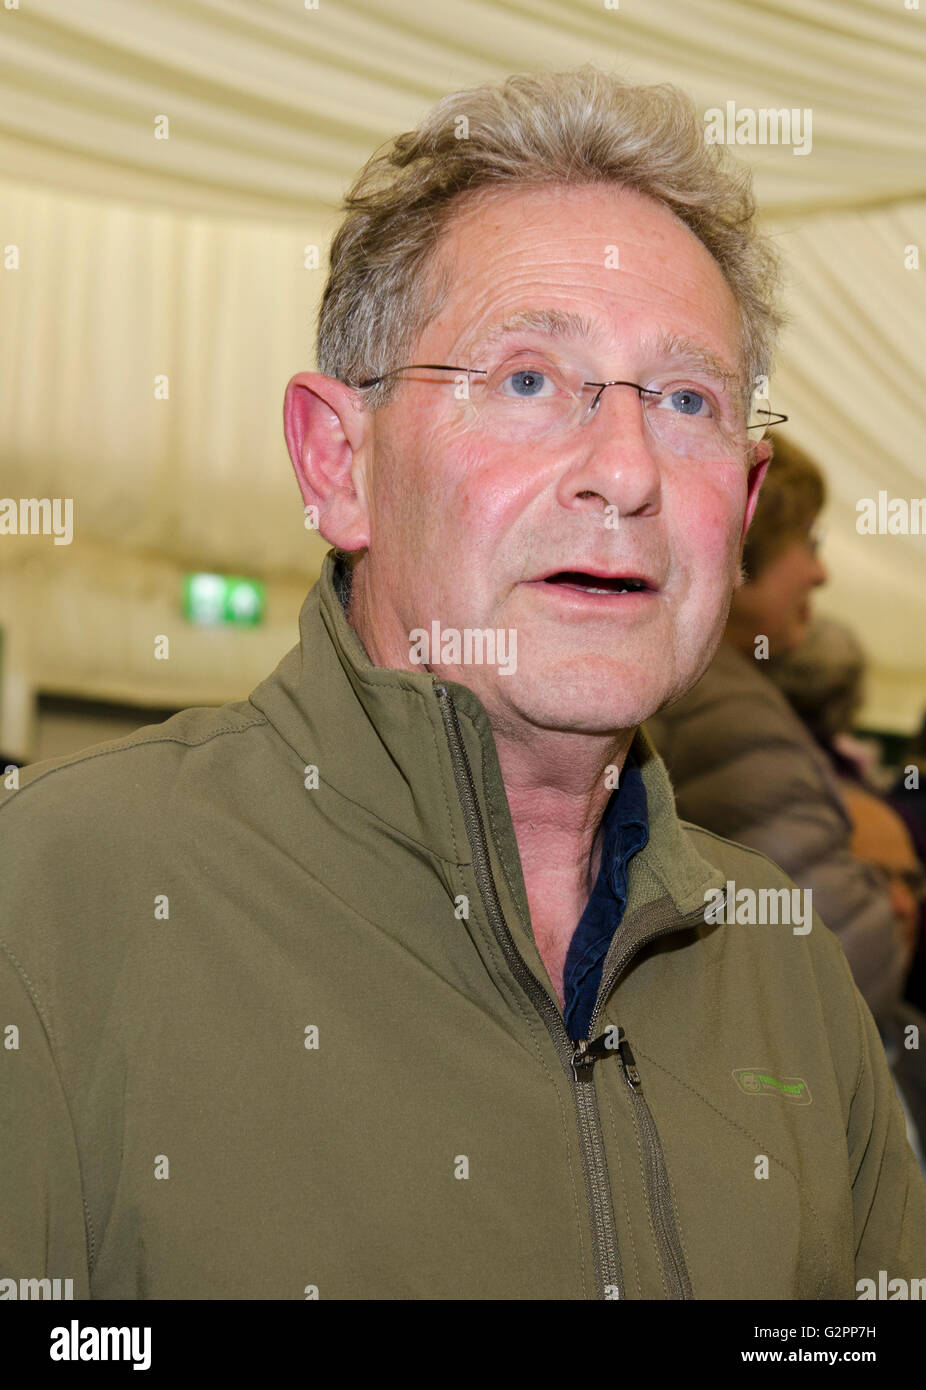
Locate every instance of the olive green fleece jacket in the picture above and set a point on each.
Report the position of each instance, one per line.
(270, 1039)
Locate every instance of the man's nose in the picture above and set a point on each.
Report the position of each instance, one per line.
(617, 457)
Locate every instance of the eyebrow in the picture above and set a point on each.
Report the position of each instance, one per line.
(674, 345)
(555, 323)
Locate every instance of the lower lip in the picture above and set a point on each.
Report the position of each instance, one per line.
(574, 596)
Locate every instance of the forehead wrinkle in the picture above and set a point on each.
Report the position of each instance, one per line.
(559, 324)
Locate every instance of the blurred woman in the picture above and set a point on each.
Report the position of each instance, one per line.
(743, 763)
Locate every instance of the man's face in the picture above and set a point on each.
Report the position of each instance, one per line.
(465, 525)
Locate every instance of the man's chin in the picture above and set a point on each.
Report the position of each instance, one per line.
(566, 705)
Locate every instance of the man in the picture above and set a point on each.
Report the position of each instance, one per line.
(391, 1041)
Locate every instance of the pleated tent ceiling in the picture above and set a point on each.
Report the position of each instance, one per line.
(186, 256)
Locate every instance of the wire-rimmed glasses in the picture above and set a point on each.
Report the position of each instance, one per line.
(531, 398)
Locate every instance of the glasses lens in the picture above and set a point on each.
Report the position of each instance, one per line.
(691, 423)
(527, 397)
(531, 396)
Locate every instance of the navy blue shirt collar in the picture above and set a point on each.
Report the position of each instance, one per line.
(625, 832)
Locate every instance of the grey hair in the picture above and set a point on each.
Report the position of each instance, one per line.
(577, 128)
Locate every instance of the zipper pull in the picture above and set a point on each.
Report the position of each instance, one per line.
(586, 1053)
(629, 1062)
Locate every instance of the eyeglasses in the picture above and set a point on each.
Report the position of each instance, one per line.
(530, 398)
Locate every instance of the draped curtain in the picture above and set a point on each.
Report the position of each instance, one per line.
(129, 260)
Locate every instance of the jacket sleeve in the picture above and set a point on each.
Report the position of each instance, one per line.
(888, 1189)
(751, 773)
(42, 1224)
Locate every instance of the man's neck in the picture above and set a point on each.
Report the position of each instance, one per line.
(557, 793)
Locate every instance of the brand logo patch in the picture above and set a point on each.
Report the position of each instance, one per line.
(756, 1082)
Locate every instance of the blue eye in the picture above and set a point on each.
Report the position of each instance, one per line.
(687, 402)
(526, 383)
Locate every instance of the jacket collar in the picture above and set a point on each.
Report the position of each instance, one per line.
(376, 736)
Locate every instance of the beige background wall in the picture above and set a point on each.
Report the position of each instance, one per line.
(135, 257)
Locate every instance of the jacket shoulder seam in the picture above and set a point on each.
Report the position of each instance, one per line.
(133, 747)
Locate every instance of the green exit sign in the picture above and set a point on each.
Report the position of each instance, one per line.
(217, 599)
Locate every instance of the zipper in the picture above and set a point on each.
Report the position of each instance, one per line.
(656, 1176)
(656, 1179)
(597, 1186)
(577, 1057)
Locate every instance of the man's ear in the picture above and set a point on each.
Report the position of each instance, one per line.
(328, 436)
(758, 467)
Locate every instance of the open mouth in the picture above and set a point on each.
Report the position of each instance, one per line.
(598, 584)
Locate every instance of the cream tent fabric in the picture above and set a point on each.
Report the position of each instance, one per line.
(128, 257)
